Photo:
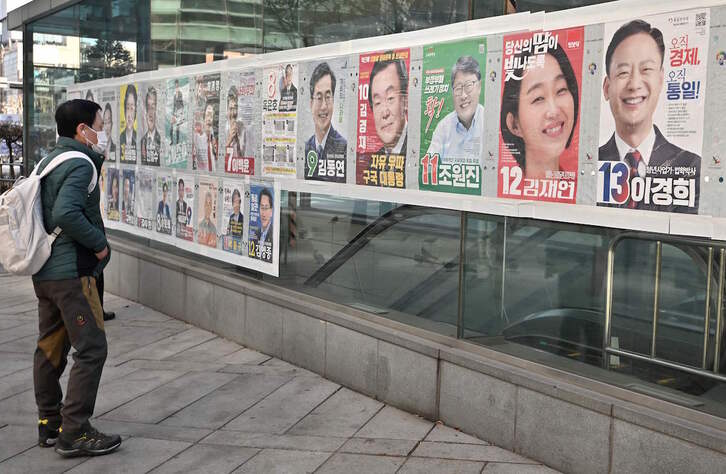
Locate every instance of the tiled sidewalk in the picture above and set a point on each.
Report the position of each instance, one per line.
(188, 401)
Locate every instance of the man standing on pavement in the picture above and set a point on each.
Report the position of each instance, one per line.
(69, 309)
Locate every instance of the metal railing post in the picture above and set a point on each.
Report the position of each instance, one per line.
(656, 294)
(719, 314)
(708, 307)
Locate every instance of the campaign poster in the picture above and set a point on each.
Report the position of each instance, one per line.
(90, 94)
(176, 133)
(112, 194)
(128, 206)
(452, 116)
(145, 199)
(238, 136)
(183, 207)
(324, 123)
(164, 192)
(205, 133)
(109, 104)
(652, 111)
(261, 222)
(207, 212)
(128, 124)
(233, 216)
(539, 118)
(102, 184)
(150, 142)
(382, 118)
(279, 120)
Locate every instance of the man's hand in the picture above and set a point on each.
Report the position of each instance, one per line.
(102, 254)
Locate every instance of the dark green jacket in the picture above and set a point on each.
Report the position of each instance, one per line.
(67, 204)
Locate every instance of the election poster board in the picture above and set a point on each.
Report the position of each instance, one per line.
(145, 199)
(652, 112)
(183, 207)
(164, 192)
(128, 207)
(128, 124)
(238, 136)
(205, 133)
(102, 185)
(109, 105)
(279, 119)
(177, 136)
(206, 220)
(324, 123)
(540, 115)
(112, 194)
(233, 216)
(452, 117)
(261, 218)
(150, 143)
(382, 118)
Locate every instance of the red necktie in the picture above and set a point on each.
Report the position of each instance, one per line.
(209, 153)
(632, 159)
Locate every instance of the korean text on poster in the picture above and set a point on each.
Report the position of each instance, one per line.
(109, 105)
(233, 217)
(382, 118)
(164, 193)
(145, 199)
(238, 136)
(177, 122)
(128, 143)
(279, 120)
(540, 111)
(452, 117)
(205, 140)
(183, 207)
(652, 111)
(150, 143)
(324, 123)
(128, 206)
(262, 208)
(207, 212)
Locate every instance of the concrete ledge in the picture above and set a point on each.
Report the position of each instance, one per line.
(570, 422)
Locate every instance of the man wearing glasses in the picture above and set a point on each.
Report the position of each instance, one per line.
(388, 98)
(459, 134)
(327, 144)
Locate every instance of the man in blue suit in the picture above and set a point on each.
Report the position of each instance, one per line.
(325, 151)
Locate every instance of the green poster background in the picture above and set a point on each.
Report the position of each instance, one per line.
(438, 60)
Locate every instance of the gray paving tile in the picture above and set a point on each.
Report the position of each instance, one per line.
(206, 458)
(361, 463)
(506, 468)
(275, 461)
(14, 362)
(179, 366)
(7, 322)
(121, 390)
(16, 382)
(227, 402)
(24, 345)
(244, 356)
(156, 405)
(39, 460)
(341, 415)
(135, 455)
(445, 434)
(16, 439)
(441, 466)
(146, 430)
(262, 440)
(386, 447)
(209, 351)
(265, 369)
(19, 409)
(24, 330)
(284, 407)
(123, 339)
(395, 424)
(468, 452)
(171, 345)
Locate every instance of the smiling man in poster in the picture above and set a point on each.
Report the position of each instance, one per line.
(658, 175)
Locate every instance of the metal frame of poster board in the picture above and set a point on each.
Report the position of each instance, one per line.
(711, 223)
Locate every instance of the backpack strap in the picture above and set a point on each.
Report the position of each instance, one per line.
(62, 158)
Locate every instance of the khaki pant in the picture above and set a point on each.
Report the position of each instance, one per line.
(70, 315)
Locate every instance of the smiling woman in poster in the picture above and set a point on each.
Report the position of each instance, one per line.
(539, 114)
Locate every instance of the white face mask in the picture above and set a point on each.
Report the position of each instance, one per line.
(102, 140)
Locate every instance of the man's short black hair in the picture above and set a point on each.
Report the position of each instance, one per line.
(181, 181)
(320, 71)
(400, 70)
(236, 193)
(165, 187)
(150, 91)
(109, 109)
(232, 94)
(70, 114)
(265, 192)
(626, 31)
(288, 68)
